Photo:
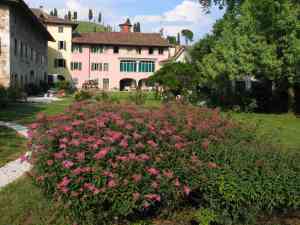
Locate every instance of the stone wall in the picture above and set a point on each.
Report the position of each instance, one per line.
(4, 46)
(30, 64)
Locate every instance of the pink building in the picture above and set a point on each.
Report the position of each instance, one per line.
(118, 60)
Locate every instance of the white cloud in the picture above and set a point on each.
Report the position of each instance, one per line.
(188, 14)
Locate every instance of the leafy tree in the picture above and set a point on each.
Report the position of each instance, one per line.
(91, 15)
(172, 40)
(176, 77)
(188, 35)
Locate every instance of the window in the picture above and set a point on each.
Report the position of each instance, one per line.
(59, 63)
(139, 51)
(60, 29)
(128, 66)
(22, 49)
(43, 60)
(16, 47)
(116, 50)
(26, 51)
(76, 66)
(105, 83)
(105, 67)
(147, 66)
(62, 45)
(77, 49)
(97, 49)
(31, 54)
(161, 51)
(151, 51)
(96, 66)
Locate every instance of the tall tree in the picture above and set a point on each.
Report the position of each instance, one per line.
(100, 17)
(178, 39)
(188, 35)
(69, 15)
(75, 15)
(55, 13)
(51, 13)
(138, 27)
(91, 15)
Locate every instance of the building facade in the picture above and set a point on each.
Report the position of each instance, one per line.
(117, 60)
(60, 51)
(23, 46)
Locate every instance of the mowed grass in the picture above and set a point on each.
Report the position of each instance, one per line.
(22, 203)
(284, 129)
(85, 27)
(12, 145)
(25, 113)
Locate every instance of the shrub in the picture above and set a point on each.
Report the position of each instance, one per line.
(14, 93)
(3, 97)
(138, 97)
(82, 95)
(109, 163)
(66, 86)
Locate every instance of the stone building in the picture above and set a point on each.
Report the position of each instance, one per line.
(23, 45)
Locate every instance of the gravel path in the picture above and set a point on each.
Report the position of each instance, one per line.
(14, 170)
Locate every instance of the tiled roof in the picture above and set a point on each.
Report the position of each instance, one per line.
(48, 19)
(122, 38)
(32, 16)
(180, 50)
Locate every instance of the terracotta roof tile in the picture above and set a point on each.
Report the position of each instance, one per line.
(122, 38)
(48, 19)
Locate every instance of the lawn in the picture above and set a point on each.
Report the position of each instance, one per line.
(282, 128)
(85, 27)
(25, 113)
(11, 145)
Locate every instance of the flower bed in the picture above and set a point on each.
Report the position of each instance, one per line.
(111, 162)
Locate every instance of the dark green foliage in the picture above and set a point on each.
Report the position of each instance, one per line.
(177, 78)
(3, 97)
(33, 89)
(138, 97)
(82, 95)
(172, 40)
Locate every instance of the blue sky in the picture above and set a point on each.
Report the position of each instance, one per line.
(171, 15)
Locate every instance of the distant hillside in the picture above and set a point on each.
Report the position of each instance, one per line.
(85, 26)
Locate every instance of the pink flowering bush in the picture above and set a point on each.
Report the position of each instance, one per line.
(112, 162)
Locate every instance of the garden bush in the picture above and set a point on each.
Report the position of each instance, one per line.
(3, 96)
(82, 95)
(110, 163)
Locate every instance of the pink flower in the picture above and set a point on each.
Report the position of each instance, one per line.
(80, 156)
(75, 143)
(168, 173)
(67, 129)
(205, 144)
(143, 157)
(77, 123)
(65, 182)
(50, 162)
(115, 136)
(137, 178)
(67, 164)
(136, 196)
(24, 158)
(186, 190)
(152, 144)
(153, 171)
(124, 143)
(102, 153)
(212, 165)
(108, 174)
(34, 126)
(122, 158)
(179, 146)
(153, 197)
(77, 171)
(155, 185)
(177, 182)
(112, 184)
(140, 145)
(59, 155)
(136, 136)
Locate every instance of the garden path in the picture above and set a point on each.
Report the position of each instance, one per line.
(16, 169)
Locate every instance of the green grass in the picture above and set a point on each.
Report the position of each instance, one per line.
(25, 113)
(22, 203)
(12, 145)
(85, 27)
(284, 128)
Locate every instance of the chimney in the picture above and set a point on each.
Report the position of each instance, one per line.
(126, 27)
